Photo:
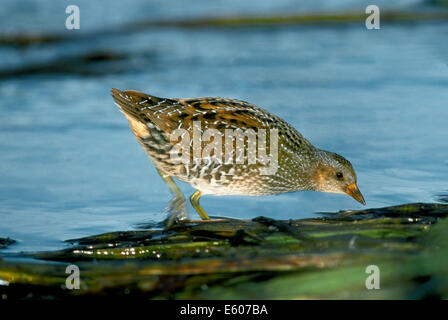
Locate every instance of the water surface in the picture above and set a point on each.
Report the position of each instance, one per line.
(70, 166)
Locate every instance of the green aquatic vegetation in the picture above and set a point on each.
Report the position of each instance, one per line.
(262, 258)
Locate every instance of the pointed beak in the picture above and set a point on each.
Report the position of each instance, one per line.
(353, 191)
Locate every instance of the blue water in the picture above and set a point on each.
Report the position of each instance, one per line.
(70, 166)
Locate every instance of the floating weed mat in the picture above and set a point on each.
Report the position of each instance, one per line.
(262, 258)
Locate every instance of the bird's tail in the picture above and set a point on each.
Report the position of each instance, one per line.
(132, 102)
(145, 108)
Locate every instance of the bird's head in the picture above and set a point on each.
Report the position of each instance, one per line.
(335, 174)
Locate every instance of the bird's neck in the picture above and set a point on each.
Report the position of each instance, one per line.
(299, 170)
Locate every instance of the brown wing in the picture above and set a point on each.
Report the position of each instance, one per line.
(216, 113)
(171, 114)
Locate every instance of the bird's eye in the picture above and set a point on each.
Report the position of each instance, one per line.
(339, 175)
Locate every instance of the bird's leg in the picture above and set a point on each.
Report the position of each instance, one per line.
(194, 199)
(171, 184)
(177, 208)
